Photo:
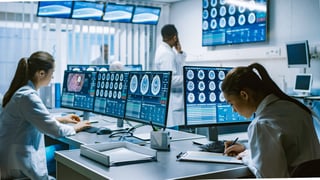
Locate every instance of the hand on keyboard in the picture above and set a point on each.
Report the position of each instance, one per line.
(215, 146)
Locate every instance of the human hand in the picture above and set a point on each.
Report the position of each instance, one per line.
(231, 149)
(70, 118)
(81, 126)
(177, 46)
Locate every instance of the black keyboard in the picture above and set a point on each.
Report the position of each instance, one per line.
(215, 146)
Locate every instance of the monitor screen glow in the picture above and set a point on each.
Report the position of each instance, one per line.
(205, 104)
(234, 22)
(55, 9)
(303, 83)
(146, 15)
(87, 10)
(78, 90)
(111, 93)
(298, 54)
(118, 13)
(148, 97)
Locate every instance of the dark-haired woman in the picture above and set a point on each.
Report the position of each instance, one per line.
(282, 134)
(24, 119)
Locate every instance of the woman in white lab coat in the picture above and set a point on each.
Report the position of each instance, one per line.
(24, 119)
(170, 57)
(282, 134)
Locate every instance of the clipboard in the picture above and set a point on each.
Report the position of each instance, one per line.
(207, 157)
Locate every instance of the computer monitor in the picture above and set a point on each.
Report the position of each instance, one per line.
(87, 67)
(205, 105)
(303, 83)
(54, 9)
(111, 93)
(87, 10)
(118, 13)
(146, 15)
(78, 90)
(148, 97)
(298, 54)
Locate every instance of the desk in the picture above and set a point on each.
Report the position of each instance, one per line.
(71, 165)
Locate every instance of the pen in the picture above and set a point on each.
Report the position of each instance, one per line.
(235, 141)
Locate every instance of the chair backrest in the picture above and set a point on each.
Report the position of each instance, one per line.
(307, 169)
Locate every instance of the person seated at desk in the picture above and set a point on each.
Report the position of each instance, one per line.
(24, 119)
(282, 134)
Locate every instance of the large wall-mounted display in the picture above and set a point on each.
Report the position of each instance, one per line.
(234, 21)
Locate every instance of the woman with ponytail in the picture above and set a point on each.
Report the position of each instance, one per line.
(24, 119)
(281, 135)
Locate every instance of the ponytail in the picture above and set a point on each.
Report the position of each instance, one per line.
(26, 70)
(20, 79)
(272, 87)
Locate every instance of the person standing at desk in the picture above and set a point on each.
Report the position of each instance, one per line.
(169, 59)
(104, 56)
(282, 134)
(24, 119)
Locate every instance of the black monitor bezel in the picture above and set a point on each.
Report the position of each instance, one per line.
(54, 16)
(306, 49)
(118, 21)
(148, 7)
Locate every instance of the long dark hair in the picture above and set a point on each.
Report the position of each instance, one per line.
(256, 78)
(26, 69)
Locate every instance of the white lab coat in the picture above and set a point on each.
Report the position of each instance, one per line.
(167, 59)
(281, 136)
(22, 124)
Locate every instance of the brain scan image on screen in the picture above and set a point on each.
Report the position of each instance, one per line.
(190, 86)
(201, 75)
(223, 11)
(213, 2)
(202, 97)
(144, 84)
(201, 86)
(212, 86)
(75, 82)
(155, 85)
(221, 75)
(212, 97)
(191, 97)
(232, 9)
(221, 97)
(190, 74)
(134, 83)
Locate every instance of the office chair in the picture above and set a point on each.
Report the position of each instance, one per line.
(307, 169)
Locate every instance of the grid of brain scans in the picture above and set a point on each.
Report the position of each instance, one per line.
(111, 93)
(204, 100)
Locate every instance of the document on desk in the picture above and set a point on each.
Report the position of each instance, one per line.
(207, 157)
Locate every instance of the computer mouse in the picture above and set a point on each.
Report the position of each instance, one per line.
(104, 130)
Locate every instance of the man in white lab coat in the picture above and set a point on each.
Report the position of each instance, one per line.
(170, 57)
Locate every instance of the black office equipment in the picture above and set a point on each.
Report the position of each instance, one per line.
(303, 83)
(298, 54)
(78, 91)
(205, 105)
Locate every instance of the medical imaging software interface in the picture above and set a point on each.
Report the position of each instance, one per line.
(111, 93)
(204, 100)
(148, 96)
(78, 90)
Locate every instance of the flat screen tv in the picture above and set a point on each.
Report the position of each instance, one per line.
(234, 21)
(54, 9)
(87, 10)
(146, 15)
(298, 54)
(118, 13)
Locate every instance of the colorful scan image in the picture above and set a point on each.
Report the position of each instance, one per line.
(75, 82)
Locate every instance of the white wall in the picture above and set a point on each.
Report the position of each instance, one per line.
(289, 20)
